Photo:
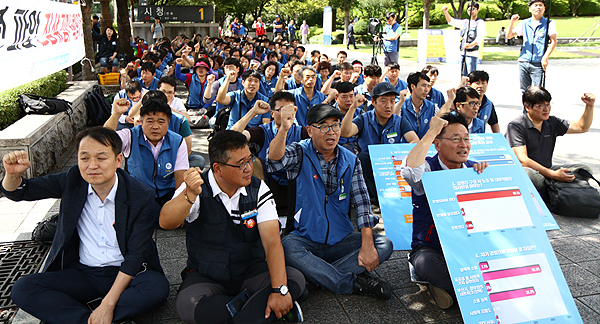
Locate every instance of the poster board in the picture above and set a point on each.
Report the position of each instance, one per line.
(395, 198)
(501, 263)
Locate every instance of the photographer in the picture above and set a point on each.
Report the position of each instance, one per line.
(391, 33)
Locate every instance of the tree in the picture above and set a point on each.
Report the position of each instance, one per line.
(347, 5)
(506, 6)
(461, 7)
(86, 15)
(426, 13)
(124, 28)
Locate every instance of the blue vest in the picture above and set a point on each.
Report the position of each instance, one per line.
(392, 131)
(390, 46)
(240, 105)
(350, 142)
(153, 85)
(240, 86)
(291, 84)
(294, 135)
(196, 93)
(478, 126)
(141, 164)
(175, 122)
(424, 232)
(267, 88)
(304, 104)
(420, 124)
(321, 218)
(532, 49)
(436, 97)
(362, 89)
(486, 109)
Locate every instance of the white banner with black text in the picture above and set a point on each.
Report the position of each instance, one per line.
(38, 38)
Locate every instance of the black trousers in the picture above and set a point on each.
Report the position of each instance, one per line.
(63, 296)
(202, 300)
(430, 265)
(365, 162)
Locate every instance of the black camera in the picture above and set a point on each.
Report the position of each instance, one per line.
(375, 28)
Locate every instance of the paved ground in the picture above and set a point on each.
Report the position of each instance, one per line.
(577, 243)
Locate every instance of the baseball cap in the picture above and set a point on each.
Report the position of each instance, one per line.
(201, 64)
(384, 88)
(321, 112)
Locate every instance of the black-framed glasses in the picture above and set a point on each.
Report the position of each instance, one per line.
(457, 139)
(242, 166)
(325, 128)
(472, 104)
(542, 106)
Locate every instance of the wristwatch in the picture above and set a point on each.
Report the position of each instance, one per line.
(282, 290)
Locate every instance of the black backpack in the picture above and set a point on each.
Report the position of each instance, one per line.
(576, 198)
(39, 105)
(98, 108)
(221, 120)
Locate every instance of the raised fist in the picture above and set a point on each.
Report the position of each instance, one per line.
(16, 162)
(120, 106)
(193, 182)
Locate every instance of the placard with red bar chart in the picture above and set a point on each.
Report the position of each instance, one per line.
(394, 193)
(502, 265)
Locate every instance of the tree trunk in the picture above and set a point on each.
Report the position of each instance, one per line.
(86, 13)
(124, 28)
(346, 22)
(426, 13)
(106, 20)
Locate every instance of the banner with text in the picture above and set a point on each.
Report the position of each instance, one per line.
(38, 38)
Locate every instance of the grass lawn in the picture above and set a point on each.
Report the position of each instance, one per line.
(410, 53)
(566, 26)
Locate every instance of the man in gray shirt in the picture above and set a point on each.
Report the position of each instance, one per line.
(532, 136)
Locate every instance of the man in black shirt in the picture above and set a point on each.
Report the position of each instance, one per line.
(532, 136)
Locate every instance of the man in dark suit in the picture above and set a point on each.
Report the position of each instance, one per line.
(103, 265)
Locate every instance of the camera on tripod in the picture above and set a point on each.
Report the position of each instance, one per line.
(375, 27)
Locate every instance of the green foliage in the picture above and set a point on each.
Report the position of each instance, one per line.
(493, 11)
(415, 19)
(589, 8)
(437, 16)
(560, 8)
(522, 9)
(48, 86)
(361, 27)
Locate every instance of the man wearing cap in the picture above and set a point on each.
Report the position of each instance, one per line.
(377, 126)
(277, 26)
(533, 61)
(241, 101)
(197, 83)
(323, 246)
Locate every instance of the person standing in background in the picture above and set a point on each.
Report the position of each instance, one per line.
(291, 31)
(304, 31)
(158, 29)
(350, 34)
(471, 38)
